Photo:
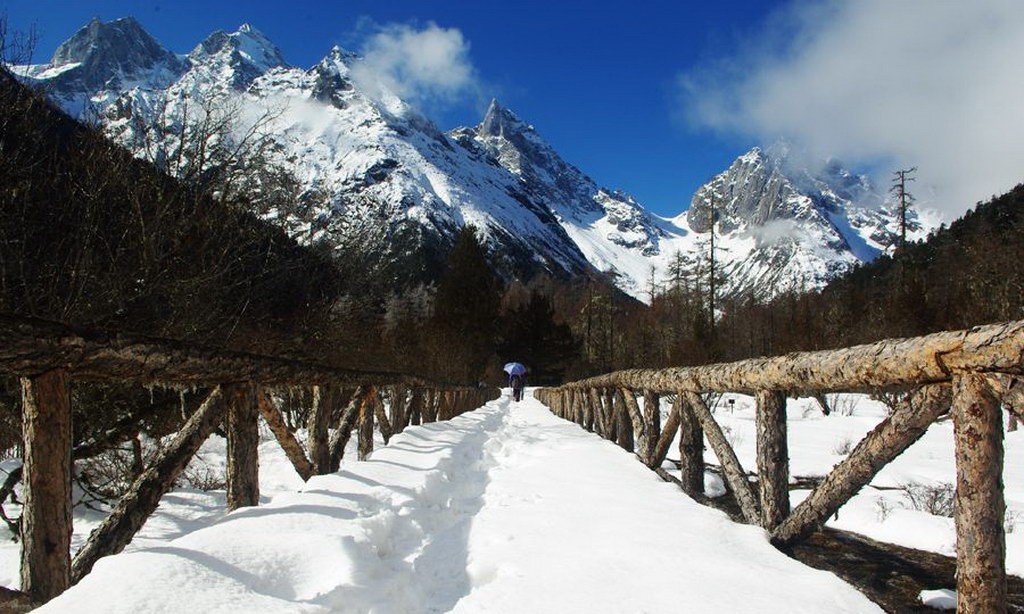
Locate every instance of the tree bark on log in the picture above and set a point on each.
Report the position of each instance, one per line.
(33, 346)
(285, 438)
(691, 448)
(324, 402)
(878, 448)
(635, 419)
(429, 405)
(668, 433)
(734, 474)
(623, 423)
(128, 516)
(652, 426)
(342, 434)
(416, 406)
(364, 424)
(979, 503)
(399, 416)
(772, 457)
(587, 398)
(46, 517)
(995, 348)
(243, 475)
(610, 416)
(382, 420)
(598, 409)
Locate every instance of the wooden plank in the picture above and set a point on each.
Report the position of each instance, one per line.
(734, 474)
(138, 503)
(243, 434)
(285, 438)
(46, 519)
(885, 442)
(772, 457)
(979, 504)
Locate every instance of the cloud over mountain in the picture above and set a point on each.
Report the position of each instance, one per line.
(924, 83)
(428, 65)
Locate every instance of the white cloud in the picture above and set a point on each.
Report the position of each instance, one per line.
(929, 83)
(427, 66)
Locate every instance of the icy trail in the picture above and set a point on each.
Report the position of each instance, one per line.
(504, 509)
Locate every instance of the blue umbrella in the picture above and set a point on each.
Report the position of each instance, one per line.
(515, 368)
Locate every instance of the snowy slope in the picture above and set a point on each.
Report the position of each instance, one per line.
(505, 509)
(381, 180)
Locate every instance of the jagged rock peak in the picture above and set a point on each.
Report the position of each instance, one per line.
(246, 45)
(332, 76)
(499, 121)
(121, 46)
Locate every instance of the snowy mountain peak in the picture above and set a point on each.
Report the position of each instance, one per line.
(332, 77)
(103, 54)
(247, 52)
(499, 121)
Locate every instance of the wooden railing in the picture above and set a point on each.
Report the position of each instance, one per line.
(966, 373)
(48, 357)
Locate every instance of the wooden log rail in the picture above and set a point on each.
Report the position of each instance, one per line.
(49, 357)
(968, 374)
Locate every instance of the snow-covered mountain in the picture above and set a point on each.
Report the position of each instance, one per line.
(380, 180)
(782, 225)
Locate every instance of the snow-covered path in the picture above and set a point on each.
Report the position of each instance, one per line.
(504, 509)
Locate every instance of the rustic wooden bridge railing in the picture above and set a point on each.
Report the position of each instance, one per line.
(968, 373)
(49, 356)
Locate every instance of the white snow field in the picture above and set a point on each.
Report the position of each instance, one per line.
(503, 509)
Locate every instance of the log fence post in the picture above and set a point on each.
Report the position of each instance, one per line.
(668, 433)
(131, 512)
(635, 420)
(597, 412)
(652, 426)
(364, 424)
(885, 442)
(318, 427)
(772, 457)
(342, 434)
(242, 421)
(380, 413)
(735, 477)
(611, 422)
(285, 438)
(691, 447)
(416, 406)
(979, 502)
(46, 478)
(623, 423)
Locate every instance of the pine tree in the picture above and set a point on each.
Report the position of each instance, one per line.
(466, 311)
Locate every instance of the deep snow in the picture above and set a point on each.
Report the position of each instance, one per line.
(504, 509)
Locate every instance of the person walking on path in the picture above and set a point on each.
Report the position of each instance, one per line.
(516, 379)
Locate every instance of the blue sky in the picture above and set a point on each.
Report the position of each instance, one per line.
(656, 97)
